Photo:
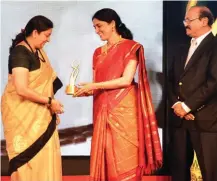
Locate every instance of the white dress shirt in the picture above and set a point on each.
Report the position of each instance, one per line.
(195, 42)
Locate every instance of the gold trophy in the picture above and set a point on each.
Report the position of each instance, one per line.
(71, 88)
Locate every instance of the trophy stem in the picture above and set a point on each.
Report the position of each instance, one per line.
(70, 89)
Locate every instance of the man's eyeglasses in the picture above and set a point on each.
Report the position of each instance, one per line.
(189, 20)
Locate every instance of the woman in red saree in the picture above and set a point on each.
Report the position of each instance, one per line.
(125, 142)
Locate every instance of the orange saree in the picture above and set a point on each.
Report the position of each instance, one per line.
(32, 140)
(125, 141)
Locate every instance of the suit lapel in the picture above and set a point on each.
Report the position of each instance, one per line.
(183, 59)
(204, 45)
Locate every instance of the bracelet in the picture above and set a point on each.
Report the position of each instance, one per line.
(49, 100)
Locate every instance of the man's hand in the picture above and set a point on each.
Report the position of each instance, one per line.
(178, 110)
(189, 116)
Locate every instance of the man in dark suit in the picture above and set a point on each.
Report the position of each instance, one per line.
(193, 100)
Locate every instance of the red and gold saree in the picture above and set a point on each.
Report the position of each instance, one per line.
(125, 141)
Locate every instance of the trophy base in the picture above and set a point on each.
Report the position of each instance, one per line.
(70, 90)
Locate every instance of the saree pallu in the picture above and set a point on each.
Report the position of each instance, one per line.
(32, 140)
(125, 142)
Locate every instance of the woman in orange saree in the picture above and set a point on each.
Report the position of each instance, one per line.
(28, 108)
(125, 142)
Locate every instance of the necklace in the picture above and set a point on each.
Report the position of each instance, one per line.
(106, 47)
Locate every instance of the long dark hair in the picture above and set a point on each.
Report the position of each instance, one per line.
(39, 23)
(108, 15)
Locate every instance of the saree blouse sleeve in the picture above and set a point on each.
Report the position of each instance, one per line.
(19, 57)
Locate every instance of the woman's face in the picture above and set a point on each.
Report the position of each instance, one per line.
(42, 38)
(103, 29)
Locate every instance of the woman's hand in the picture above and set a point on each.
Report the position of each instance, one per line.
(85, 89)
(80, 95)
(56, 107)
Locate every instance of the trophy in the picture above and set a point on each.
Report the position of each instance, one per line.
(71, 88)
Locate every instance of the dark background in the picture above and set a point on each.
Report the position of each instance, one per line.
(173, 37)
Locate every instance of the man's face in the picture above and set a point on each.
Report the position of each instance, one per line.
(192, 23)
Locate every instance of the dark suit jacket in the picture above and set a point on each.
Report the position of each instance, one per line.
(196, 85)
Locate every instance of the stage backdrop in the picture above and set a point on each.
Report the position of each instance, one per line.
(74, 38)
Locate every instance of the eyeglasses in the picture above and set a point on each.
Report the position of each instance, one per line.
(189, 20)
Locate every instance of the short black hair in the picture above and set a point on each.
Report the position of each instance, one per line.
(205, 13)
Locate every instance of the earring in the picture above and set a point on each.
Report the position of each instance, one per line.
(112, 28)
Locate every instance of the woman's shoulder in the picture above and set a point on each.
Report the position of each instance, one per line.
(98, 50)
(19, 49)
(131, 43)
